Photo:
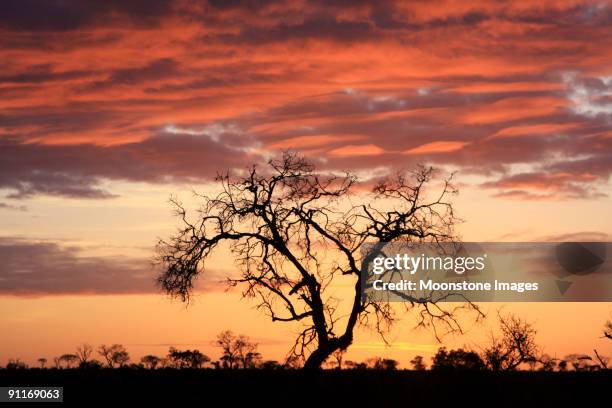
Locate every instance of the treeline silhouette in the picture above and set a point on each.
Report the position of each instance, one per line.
(237, 351)
(510, 370)
(512, 349)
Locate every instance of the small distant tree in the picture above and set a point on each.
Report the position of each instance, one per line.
(115, 355)
(16, 364)
(121, 357)
(91, 364)
(187, 358)
(270, 365)
(69, 360)
(106, 352)
(579, 362)
(42, 362)
(337, 358)
(515, 345)
(237, 351)
(150, 361)
(226, 340)
(456, 360)
(177, 358)
(293, 362)
(350, 364)
(164, 362)
(388, 364)
(418, 363)
(372, 362)
(252, 359)
(378, 363)
(547, 363)
(57, 362)
(83, 352)
(198, 359)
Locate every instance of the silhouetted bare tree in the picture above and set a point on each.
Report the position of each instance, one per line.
(84, 352)
(338, 357)
(150, 361)
(69, 360)
(106, 352)
(115, 355)
(379, 363)
(418, 363)
(252, 359)
(514, 346)
(293, 231)
(237, 351)
(608, 330)
(229, 357)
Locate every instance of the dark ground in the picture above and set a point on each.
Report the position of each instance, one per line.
(339, 388)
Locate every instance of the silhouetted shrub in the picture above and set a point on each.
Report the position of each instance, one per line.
(456, 360)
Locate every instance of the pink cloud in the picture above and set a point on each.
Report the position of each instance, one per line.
(356, 150)
(482, 86)
(442, 146)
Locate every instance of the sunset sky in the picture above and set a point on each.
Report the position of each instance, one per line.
(109, 108)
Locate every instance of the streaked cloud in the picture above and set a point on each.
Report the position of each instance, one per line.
(436, 147)
(41, 268)
(31, 268)
(29, 169)
(356, 150)
(168, 92)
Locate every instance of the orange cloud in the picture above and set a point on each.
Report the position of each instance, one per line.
(312, 141)
(540, 129)
(514, 108)
(356, 150)
(442, 146)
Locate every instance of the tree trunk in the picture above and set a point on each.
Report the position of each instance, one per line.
(317, 358)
